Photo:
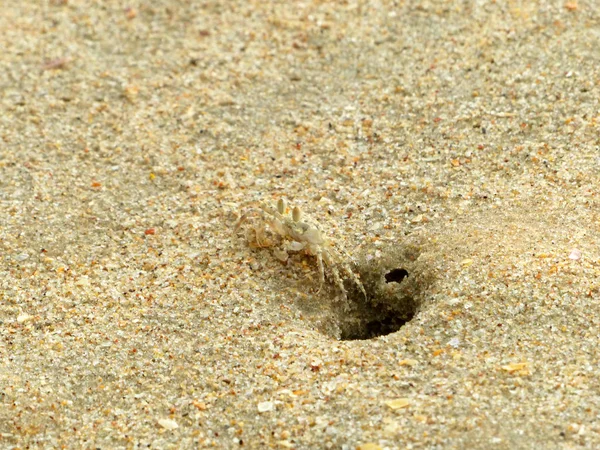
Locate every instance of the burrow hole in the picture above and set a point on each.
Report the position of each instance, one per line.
(395, 287)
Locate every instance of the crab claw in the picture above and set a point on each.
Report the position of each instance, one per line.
(281, 255)
(296, 246)
(313, 236)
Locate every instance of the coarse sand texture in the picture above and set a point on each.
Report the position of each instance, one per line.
(447, 152)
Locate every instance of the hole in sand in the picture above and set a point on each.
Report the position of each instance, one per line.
(395, 284)
(381, 326)
(396, 276)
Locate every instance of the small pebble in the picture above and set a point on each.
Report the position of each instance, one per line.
(454, 342)
(265, 407)
(168, 424)
(398, 403)
(22, 256)
(24, 317)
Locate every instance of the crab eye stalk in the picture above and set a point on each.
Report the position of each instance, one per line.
(281, 206)
(296, 214)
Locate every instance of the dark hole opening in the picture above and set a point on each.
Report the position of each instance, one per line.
(390, 303)
(396, 275)
(386, 294)
(382, 326)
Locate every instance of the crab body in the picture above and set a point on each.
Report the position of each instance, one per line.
(301, 233)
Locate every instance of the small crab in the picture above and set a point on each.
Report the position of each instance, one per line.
(301, 233)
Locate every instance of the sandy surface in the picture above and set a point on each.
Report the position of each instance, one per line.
(458, 144)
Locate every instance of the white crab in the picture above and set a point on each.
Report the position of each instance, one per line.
(300, 233)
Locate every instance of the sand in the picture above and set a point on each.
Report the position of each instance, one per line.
(458, 143)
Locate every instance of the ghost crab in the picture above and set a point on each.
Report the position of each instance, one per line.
(301, 233)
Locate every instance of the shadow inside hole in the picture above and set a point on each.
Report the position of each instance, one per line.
(396, 275)
(379, 327)
(390, 304)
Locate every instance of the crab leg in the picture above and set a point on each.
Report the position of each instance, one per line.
(319, 255)
(336, 275)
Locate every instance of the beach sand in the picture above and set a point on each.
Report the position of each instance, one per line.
(456, 144)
